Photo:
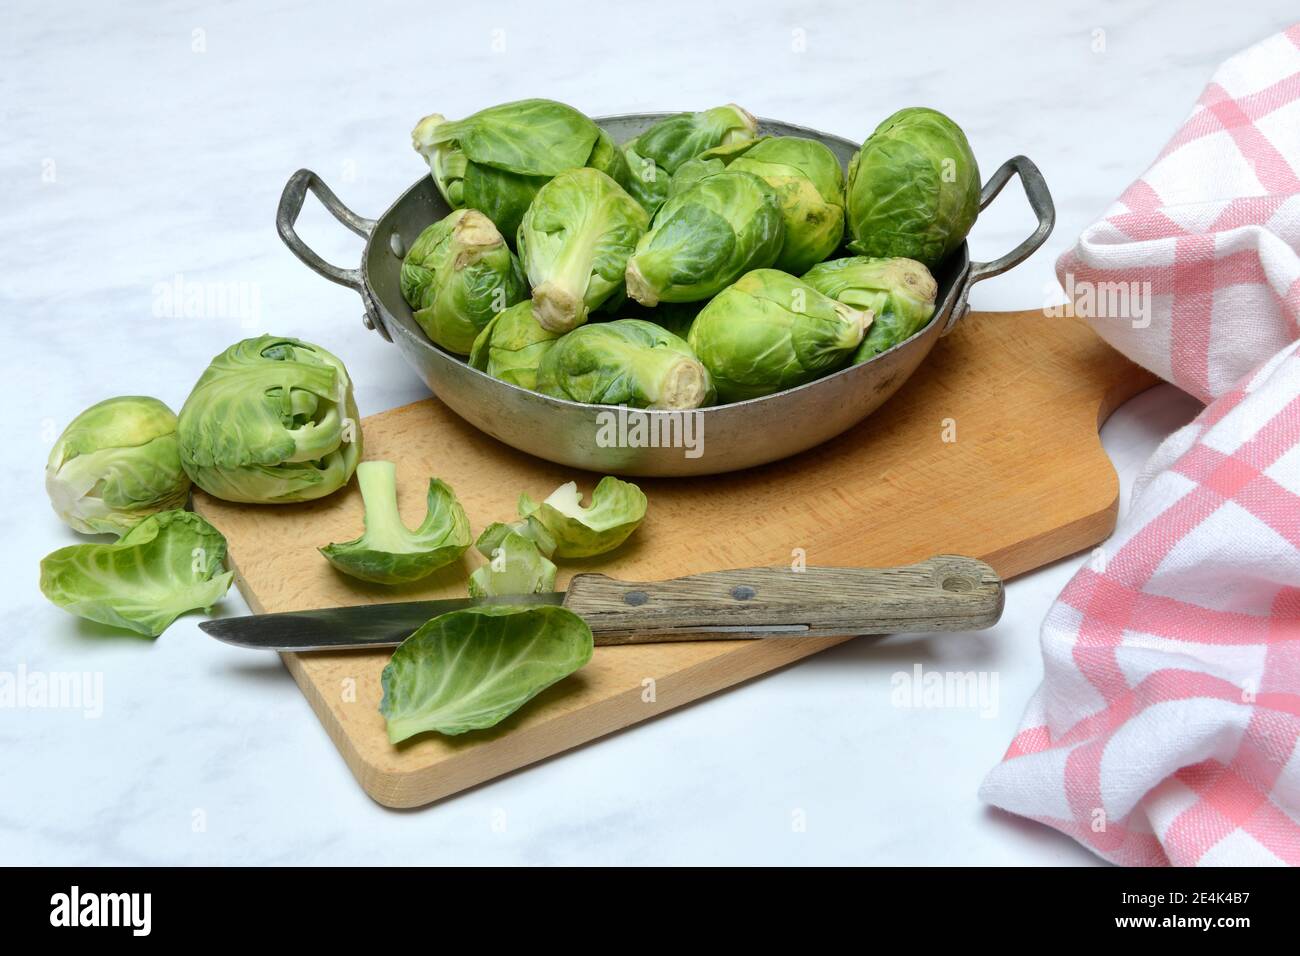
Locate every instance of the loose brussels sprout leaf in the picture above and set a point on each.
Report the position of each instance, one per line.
(166, 565)
(913, 189)
(810, 184)
(532, 529)
(390, 553)
(574, 242)
(625, 362)
(515, 565)
(770, 331)
(706, 237)
(512, 345)
(115, 464)
(655, 155)
(468, 670)
(271, 420)
(457, 276)
(497, 159)
(617, 508)
(900, 293)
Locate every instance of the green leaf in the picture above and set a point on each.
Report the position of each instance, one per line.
(470, 669)
(166, 565)
(581, 531)
(390, 553)
(900, 293)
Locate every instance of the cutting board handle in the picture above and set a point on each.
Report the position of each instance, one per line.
(943, 593)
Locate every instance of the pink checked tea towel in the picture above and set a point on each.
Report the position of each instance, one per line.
(1166, 727)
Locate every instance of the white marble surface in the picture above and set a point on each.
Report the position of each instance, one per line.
(140, 145)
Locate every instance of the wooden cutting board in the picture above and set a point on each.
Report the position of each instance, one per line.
(991, 450)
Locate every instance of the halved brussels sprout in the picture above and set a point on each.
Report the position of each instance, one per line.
(913, 189)
(625, 362)
(512, 345)
(115, 464)
(705, 237)
(457, 276)
(515, 565)
(900, 293)
(574, 242)
(655, 155)
(582, 531)
(390, 553)
(271, 420)
(771, 331)
(166, 565)
(470, 669)
(497, 159)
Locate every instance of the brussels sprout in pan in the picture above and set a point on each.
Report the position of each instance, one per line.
(625, 362)
(900, 293)
(388, 552)
(807, 178)
(913, 189)
(497, 159)
(512, 345)
(115, 464)
(574, 243)
(457, 276)
(706, 237)
(655, 155)
(771, 331)
(271, 420)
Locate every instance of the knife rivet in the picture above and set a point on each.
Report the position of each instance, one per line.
(635, 598)
(958, 584)
(743, 592)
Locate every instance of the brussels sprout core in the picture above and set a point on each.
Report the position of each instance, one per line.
(638, 288)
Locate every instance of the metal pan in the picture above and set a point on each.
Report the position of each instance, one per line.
(709, 441)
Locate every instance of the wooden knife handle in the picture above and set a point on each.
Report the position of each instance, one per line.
(944, 593)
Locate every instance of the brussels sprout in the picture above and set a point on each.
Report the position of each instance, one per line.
(574, 242)
(913, 188)
(271, 420)
(516, 565)
(389, 552)
(770, 331)
(674, 317)
(900, 293)
(497, 159)
(624, 362)
(528, 527)
(617, 509)
(655, 155)
(115, 464)
(471, 669)
(458, 274)
(166, 565)
(512, 345)
(705, 237)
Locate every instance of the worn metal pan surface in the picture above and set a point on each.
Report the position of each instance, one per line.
(634, 442)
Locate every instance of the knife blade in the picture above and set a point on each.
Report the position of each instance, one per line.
(943, 593)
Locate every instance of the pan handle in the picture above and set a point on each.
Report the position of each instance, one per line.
(286, 217)
(1040, 200)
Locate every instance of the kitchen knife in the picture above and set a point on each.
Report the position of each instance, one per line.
(944, 593)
